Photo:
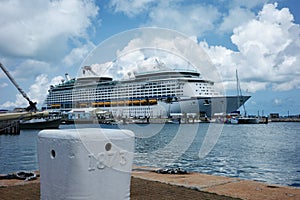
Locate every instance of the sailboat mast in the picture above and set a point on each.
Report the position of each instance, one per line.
(237, 88)
(239, 92)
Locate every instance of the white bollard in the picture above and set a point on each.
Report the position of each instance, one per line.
(91, 163)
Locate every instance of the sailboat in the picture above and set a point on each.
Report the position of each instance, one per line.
(243, 119)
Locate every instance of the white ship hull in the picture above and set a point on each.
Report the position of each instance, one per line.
(208, 105)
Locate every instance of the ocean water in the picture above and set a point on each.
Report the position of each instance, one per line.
(263, 152)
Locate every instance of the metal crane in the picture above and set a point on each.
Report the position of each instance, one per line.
(32, 105)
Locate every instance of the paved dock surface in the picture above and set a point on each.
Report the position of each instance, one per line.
(140, 189)
(233, 187)
(146, 184)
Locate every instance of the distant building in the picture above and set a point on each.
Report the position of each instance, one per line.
(274, 115)
(294, 116)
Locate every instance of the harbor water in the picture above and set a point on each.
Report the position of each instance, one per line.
(263, 152)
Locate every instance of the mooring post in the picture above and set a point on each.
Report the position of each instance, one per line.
(90, 163)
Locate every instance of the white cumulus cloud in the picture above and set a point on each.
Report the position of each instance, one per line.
(37, 92)
(78, 54)
(131, 7)
(247, 3)
(192, 20)
(29, 69)
(268, 52)
(236, 17)
(42, 28)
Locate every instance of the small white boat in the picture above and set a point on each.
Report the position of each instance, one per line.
(234, 121)
(41, 123)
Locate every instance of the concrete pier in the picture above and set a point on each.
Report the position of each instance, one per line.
(172, 186)
(232, 187)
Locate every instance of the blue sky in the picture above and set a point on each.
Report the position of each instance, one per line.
(42, 40)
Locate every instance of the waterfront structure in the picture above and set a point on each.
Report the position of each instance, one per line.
(144, 95)
(10, 122)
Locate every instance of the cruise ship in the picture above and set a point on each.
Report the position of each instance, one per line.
(152, 94)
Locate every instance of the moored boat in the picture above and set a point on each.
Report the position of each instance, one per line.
(248, 120)
(42, 123)
(236, 118)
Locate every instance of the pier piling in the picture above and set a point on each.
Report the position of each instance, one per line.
(11, 127)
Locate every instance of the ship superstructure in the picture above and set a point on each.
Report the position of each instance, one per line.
(148, 94)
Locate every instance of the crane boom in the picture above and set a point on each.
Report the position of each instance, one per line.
(32, 105)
